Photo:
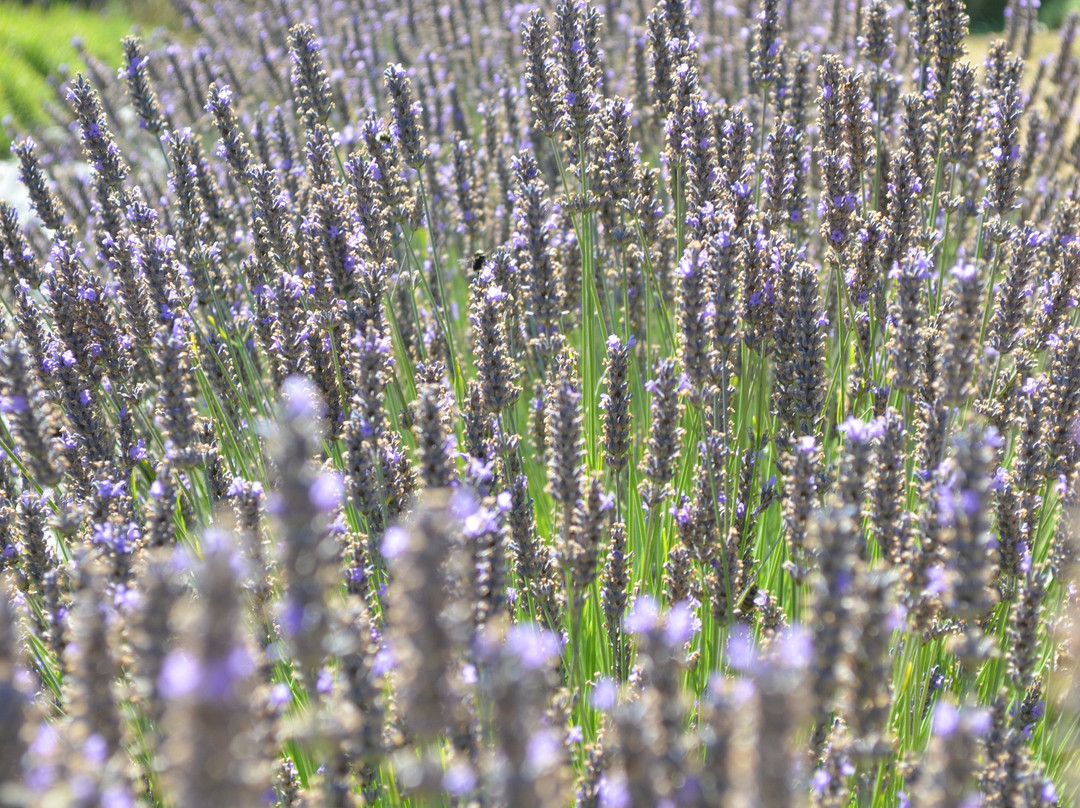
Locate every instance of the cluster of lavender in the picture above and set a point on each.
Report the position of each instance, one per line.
(459, 404)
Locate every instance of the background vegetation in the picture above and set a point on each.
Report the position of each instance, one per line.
(39, 39)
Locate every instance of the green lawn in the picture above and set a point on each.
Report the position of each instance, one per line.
(34, 41)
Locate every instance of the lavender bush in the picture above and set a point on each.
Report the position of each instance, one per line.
(418, 404)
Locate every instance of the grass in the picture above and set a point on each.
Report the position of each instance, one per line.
(35, 42)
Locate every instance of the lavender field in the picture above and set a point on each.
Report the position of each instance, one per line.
(587, 404)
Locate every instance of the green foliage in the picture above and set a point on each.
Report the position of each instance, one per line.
(1053, 12)
(36, 42)
(988, 15)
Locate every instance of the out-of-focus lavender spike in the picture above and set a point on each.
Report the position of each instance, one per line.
(206, 681)
(946, 782)
(305, 502)
(15, 703)
(139, 87)
(29, 413)
(421, 614)
(835, 542)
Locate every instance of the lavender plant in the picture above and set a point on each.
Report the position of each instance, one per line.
(371, 373)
